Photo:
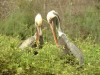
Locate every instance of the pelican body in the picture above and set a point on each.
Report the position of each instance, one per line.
(69, 47)
(37, 39)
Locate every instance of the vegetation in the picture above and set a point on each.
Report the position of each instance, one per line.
(50, 60)
(80, 20)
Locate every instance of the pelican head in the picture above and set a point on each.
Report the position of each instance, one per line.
(38, 20)
(50, 15)
(54, 21)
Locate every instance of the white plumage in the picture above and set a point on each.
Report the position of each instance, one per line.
(38, 20)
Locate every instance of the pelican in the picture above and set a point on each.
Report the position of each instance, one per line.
(37, 39)
(62, 40)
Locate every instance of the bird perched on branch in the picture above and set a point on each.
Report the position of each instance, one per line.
(62, 40)
(37, 39)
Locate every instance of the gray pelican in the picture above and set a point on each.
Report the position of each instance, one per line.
(62, 40)
(37, 39)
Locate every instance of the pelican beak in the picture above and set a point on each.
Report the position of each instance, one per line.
(53, 29)
(39, 33)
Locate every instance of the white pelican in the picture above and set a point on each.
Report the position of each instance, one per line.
(37, 39)
(69, 48)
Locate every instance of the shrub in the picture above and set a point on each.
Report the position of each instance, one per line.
(84, 24)
(18, 24)
(49, 60)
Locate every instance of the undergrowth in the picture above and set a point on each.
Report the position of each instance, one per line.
(49, 61)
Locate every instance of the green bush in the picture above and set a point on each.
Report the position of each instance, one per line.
(77, 24)
(83, 28)
(49, 60)
(84, 24)
(19, 24)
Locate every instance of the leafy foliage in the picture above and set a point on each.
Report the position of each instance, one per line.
(83, 25)
(49, 60)
(17, 23)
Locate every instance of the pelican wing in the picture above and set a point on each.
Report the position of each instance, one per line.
(71, 48)
(28, 42)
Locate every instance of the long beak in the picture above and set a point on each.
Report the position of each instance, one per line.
(54, 33)
(39, 33)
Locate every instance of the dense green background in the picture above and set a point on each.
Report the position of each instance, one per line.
(80, 20)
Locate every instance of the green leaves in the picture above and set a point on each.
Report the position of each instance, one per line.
(49, 60)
